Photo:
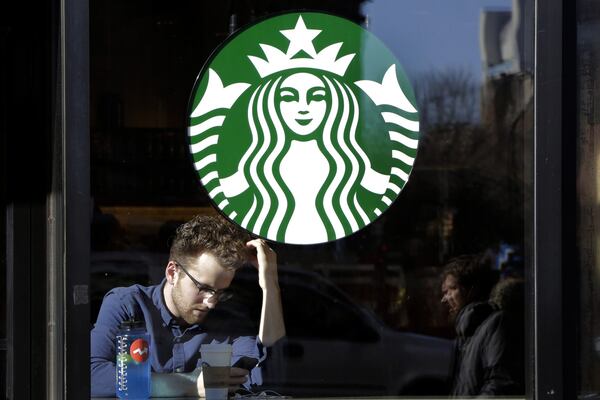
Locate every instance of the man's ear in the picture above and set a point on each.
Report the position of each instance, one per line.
(171, 272)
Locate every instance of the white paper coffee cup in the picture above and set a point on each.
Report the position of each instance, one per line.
(216, 363)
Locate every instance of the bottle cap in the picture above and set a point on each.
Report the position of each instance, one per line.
(132, 324)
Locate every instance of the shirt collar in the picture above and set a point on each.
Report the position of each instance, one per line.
(158, 299)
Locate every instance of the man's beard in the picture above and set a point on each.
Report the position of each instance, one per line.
(188, 312)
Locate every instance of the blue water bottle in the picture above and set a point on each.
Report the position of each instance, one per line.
(133, 364)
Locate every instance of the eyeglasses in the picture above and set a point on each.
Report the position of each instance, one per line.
(205, 290)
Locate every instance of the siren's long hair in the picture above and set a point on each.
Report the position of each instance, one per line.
(337, 199)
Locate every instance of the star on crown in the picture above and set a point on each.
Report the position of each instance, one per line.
(301, 39)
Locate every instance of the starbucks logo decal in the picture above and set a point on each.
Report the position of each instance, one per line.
(303, 128)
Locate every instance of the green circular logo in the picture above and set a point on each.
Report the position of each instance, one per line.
(303, 128)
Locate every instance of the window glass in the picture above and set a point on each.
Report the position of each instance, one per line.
(364, 312)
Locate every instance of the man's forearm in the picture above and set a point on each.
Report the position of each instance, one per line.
(176, 384)
(272, 327)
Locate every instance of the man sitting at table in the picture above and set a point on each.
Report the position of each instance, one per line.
(204, 255)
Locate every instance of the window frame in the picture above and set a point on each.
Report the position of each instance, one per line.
(552, 357)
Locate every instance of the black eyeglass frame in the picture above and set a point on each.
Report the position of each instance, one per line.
(206, 290)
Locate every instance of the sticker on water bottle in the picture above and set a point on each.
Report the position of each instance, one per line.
(139, 350)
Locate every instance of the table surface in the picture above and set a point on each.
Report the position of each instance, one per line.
(320, 398)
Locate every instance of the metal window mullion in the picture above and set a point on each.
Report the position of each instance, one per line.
(548, 290)
(69, 207)
(55, 376)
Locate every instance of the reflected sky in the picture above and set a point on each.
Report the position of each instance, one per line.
(430, 35)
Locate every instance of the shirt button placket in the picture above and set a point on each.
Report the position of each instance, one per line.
(178, 355)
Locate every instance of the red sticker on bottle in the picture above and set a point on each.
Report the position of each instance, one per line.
(139, 350)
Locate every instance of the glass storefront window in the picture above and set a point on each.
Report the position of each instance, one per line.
(371, 300)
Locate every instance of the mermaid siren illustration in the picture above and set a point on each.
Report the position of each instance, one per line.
(304, 178)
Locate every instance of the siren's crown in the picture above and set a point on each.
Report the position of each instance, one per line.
(301, 39)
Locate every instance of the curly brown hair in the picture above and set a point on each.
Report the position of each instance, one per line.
(474, 275)
(214, 235)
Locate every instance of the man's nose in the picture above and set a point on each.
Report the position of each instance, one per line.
(210, 301)
(444, 299)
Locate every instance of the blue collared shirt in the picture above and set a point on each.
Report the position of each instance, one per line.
(173, 348)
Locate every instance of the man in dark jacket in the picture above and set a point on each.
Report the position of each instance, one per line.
(485, 364)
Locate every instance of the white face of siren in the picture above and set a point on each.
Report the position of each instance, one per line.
(302, 102)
